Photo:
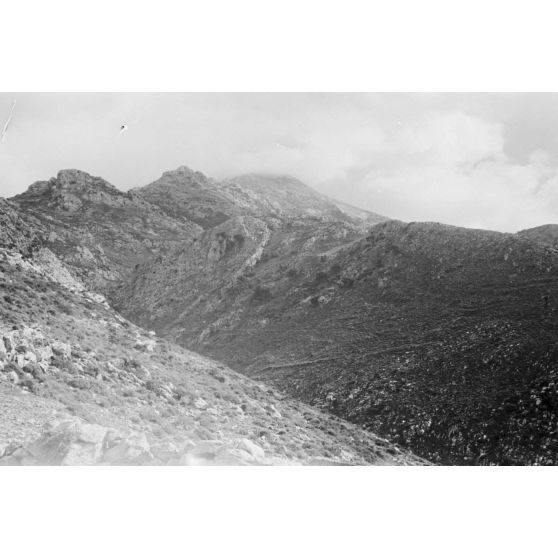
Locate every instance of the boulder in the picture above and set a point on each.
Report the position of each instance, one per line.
(71, 442)
(200, 403)
(224, 452)
(250, 447)
(34, 370)
(62, 349)
(43, 354)
(145, 345)
(8, 343)
(130, 449)
(30, 356)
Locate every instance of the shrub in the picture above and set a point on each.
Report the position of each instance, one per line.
(262, 294)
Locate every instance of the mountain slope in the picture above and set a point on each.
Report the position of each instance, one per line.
(82, 385)
(438, 337)
(187, 194)
(98, 231)
(545, 234)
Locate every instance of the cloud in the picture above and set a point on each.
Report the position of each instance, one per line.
(465, 160)
(453, 168)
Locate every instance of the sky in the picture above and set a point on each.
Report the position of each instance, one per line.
(475, 160)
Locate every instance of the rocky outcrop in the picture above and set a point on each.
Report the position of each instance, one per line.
(99, 232)
(70, 441)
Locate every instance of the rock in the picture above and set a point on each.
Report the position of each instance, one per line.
(166, 452)
(34, 370)
(253, 449)
(62, 349)
(145, 345)
(132, 449)
(22, 348)
(274, 412)
(43, 353)
(74, 442)
(217, 452)
(70, 442)
(29, 356)
(12, 377)
(200, 403)
(142, 373)
(234, 456)
(203, 453)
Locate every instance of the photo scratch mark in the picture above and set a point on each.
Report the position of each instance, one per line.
(7, 124)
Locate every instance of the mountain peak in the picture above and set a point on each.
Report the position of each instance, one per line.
(69, 190)
(185, 172)
(75, 177)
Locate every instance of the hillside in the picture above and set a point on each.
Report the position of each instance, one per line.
(439, 338)
(82, 385)
(99, 232)
(190, 195)
(545, 234)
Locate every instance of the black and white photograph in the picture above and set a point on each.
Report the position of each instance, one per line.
(278, 280)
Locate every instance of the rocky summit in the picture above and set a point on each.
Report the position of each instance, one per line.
(255, 321)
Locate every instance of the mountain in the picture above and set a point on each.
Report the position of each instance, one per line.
(81, 385)
(439, 338)
(190, 195)
(99, 232)
(545, 234)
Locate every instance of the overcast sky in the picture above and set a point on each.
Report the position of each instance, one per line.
(482, 160)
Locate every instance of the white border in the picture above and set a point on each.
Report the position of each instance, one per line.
(277, 46)
(292, 45)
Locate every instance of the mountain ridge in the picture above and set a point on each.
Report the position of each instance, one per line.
(431, 335)
(81, 385)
